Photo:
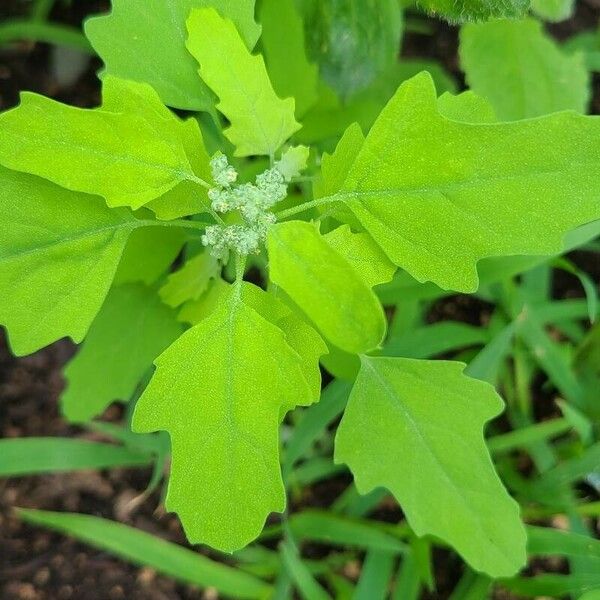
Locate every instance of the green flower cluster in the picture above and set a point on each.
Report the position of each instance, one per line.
(253, 201)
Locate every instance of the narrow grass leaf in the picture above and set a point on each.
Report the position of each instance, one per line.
(375, 576)
(326, 528)
(305, 583)
(32, 456)
(148, 550)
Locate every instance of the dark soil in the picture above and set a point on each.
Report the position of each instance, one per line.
(38, 565)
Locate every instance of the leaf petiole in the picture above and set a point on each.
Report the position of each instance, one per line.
(294, 210)
(198, 181)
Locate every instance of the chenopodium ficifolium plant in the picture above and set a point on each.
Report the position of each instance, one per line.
(98, 203)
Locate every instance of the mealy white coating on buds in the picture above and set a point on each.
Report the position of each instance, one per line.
(272, 184)
(252, 200)
(222, 239)
(223, 173)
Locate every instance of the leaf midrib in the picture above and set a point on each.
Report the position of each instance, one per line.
(68, 240)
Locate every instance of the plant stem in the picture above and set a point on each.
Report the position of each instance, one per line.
(216, 216)
(240, 268)
(50, 33)
(199, 181)
(294, 210)
(199, 225)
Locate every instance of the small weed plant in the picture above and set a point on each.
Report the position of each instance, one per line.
(267, 196)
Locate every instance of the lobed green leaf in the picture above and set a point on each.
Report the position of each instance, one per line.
(142, 40)
(59, 255)
(129, 97)
(438, 195)
(325, 286)
(120, 156)
(521, 70)
(130, 331)
(283, 46)
(231, 377)
(426, 418)
(260, 121)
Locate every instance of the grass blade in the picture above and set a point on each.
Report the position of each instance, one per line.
(30, 456)
(315, 420)
(375, 576)
(408, 581)
(332, 529)
(144, 549)
(305, 583)
(520, 438)
(435, 339)
(552, 585)
(543, 541)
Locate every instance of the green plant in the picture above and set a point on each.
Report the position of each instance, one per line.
(421, 196)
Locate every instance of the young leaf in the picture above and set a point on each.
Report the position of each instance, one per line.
(137, 98)
(283, 46)
(480, 189)
(367, 258)
(335, 167)
(467, 107)
(194, 311)
(122, 157)
(191, 281)
(142, 40)
(148, 254)
(130, 331)
(130, 97)
(187, 198)
(299, 335)
(426, 419)
(58, 257)
(260, 121)
(476, 10)
(325, 286)
(521, 70)
(219, 391)
(293, 162)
